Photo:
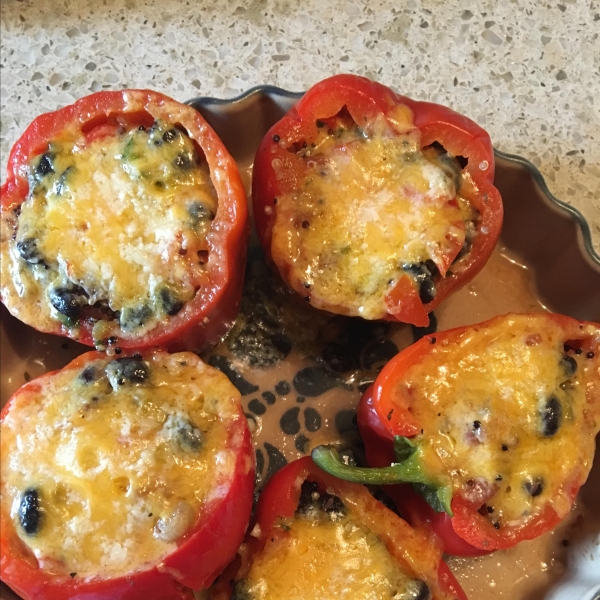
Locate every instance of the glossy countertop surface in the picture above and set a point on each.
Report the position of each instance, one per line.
(528, 72)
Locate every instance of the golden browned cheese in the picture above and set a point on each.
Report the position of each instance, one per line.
(506, 415)
(372, 205)
(120, 458)
(329, 559)
(121, 222)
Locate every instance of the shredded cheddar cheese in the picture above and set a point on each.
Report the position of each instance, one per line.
(105, 469)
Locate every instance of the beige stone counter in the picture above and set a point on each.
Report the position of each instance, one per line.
(526, 71)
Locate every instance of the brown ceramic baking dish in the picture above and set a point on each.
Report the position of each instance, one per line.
(301, 372)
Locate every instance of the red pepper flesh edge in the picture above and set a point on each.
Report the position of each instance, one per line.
(199, 558)
(382, 415)
(280, 497)
(209, 315)
(365, 100)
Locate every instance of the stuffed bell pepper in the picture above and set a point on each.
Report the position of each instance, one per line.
(123, 478)
(315, 536)
(374, 205)
(493, 425)
(124, 224)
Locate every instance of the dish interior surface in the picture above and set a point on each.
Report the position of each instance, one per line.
(301, 371)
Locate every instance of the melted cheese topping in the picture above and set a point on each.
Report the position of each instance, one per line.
(119, 222)
(505, 416)
(122, 468)
(328, 560)
(368, 207)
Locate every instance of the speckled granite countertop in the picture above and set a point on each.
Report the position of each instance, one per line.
(527, 71)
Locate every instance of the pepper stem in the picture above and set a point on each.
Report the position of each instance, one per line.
(409, 470)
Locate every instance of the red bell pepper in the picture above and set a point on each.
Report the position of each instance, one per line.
(286, 161)
(200, 554)
(207, 316)
(521, 431)
(415, 554)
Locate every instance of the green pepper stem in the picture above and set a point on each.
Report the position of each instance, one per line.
(409, 470)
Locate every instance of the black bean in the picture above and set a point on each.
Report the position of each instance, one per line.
(129, 370)
(134, 317)
(89, 374)
(170, 135)
(551, 417)
(432, 267)
(240, 591)
(30, 511)
(415, 590)
(534, 487)
(189, 437)
(331, 504)
(199, 212)
(183, 161)
(171, 304)
(311, 498)
(44, 167)
(29, 252)
(569, 365)
(68, 301)
(309, 492)
(424, 280)
(61, 184)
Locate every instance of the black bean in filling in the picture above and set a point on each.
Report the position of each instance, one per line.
(134, 317)
(534, 487)
(44, 166)
(423, 274)
(68, 301)
(551, 417)
(30, 511)
(170, 302)
(170, 135)
(569, 365)
(199, 212)
(128, 370)
(312, 500)
(240, 591)
(415, 590)
(188, 437)
(89, 374)
(61, 184)
(183, 161)
(29, 252)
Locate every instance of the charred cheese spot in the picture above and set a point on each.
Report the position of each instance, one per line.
(105, 468)
(371, 208)
(504, 413)
(113, 230)
(325, 552)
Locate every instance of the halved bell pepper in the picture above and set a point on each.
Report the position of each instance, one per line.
(371, 204)
(124, 223)
(497, 422)
(124, 478)
(290, 552)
